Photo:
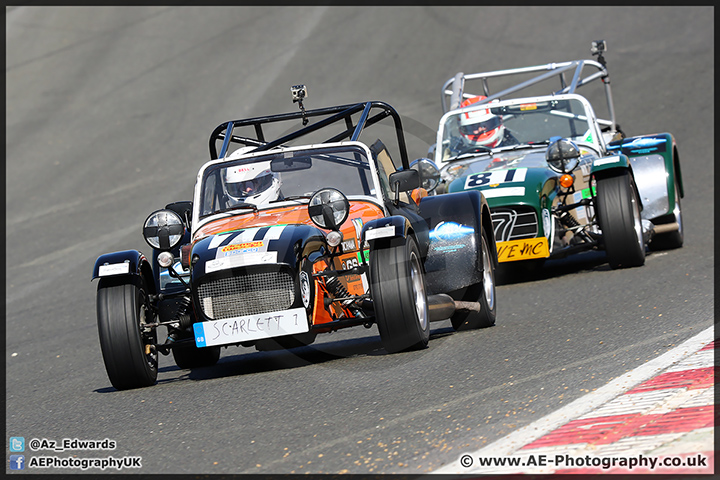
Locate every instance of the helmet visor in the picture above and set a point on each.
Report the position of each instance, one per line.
(481, 128)
(250, 187)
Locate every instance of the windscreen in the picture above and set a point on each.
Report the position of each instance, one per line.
(290, 175)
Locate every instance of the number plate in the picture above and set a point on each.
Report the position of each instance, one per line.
(523, 249)
(251, 327)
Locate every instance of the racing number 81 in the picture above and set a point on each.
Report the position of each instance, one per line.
(480, 179)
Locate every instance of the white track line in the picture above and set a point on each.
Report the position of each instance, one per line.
(519, 438)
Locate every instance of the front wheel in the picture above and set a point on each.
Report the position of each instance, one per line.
(618, 210)
(122, 313)
(397, 285)
(482, 293)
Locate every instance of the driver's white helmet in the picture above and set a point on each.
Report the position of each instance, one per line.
(481, 127)
(251, 183)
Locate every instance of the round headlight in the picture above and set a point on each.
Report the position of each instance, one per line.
(562, 156)
(328, 208)
(163, 229)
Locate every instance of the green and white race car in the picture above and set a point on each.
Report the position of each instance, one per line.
(558, 179)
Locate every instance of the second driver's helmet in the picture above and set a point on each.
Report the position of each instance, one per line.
(251, 183)
(481, 126)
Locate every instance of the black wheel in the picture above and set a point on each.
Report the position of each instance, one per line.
(397, 285)
(618, 210)
(190, 356)
(483, 293)
(666, 241)
(122, 311)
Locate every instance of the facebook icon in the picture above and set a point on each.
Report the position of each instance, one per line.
(17, 462)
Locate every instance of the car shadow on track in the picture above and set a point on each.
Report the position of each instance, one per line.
(246, 361)
(509, 273)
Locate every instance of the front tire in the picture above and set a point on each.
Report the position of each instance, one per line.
(122, 310)
(397, 285)
(483, 293)
(618, 209)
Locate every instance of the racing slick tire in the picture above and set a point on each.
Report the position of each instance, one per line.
(670, 240)
(397, 285)
(122, 307)
(190, 356)
(618, 209)
(483, 293)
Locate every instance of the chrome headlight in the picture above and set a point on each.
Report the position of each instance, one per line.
(562, 156)
(163, 230)
(328, 208)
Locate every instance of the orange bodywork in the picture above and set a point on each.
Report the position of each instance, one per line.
(361, 212)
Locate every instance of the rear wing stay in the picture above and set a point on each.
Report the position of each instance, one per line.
(370, 113)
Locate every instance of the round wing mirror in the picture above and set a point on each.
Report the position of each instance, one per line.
(429, 173)
(562, 156)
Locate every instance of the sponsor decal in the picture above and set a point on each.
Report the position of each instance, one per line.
(381, 232)
(114, 269)
(348, 245)
(450, 231)
(523, 249)
(358, 224)
(305, 289)
(247, 246)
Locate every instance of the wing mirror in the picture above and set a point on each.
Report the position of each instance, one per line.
(429, 173)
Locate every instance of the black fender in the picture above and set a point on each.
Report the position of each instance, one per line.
(125, 263)
(456, 221)
(385, 229)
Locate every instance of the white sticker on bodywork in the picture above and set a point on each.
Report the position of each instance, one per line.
(504, 192)
(241, 260)
(605, 161)
(114, 269)
(381, 232)
(495, 177)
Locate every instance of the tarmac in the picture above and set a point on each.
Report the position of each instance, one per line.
(656, 419)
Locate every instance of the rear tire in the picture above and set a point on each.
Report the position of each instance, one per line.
(483, 293)
(397, 285)
(618, 210)
(122, 308)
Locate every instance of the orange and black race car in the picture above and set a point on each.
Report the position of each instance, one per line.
(308, 233)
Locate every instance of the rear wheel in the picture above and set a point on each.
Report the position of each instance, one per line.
(397, 285)
(122, 313)
(483, 293)
(618, 209)
(666, 241)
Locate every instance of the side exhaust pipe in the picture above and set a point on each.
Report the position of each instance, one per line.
(442, 306)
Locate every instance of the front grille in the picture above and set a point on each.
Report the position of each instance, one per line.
(247, 294)
(514, 223)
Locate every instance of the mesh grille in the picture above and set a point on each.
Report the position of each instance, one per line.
(514, 223)
(247, 294)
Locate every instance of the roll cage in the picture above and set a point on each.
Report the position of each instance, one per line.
(454, 89)
(350, 121)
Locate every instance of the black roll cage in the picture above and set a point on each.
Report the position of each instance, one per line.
(332, 115)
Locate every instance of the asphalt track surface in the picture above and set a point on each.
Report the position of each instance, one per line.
(108, 116)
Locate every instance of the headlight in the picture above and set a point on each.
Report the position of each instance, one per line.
(163, 230)
(328, 208)
(562, 156)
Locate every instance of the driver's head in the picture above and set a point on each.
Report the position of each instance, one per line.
(481, 126)
(251, 183)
